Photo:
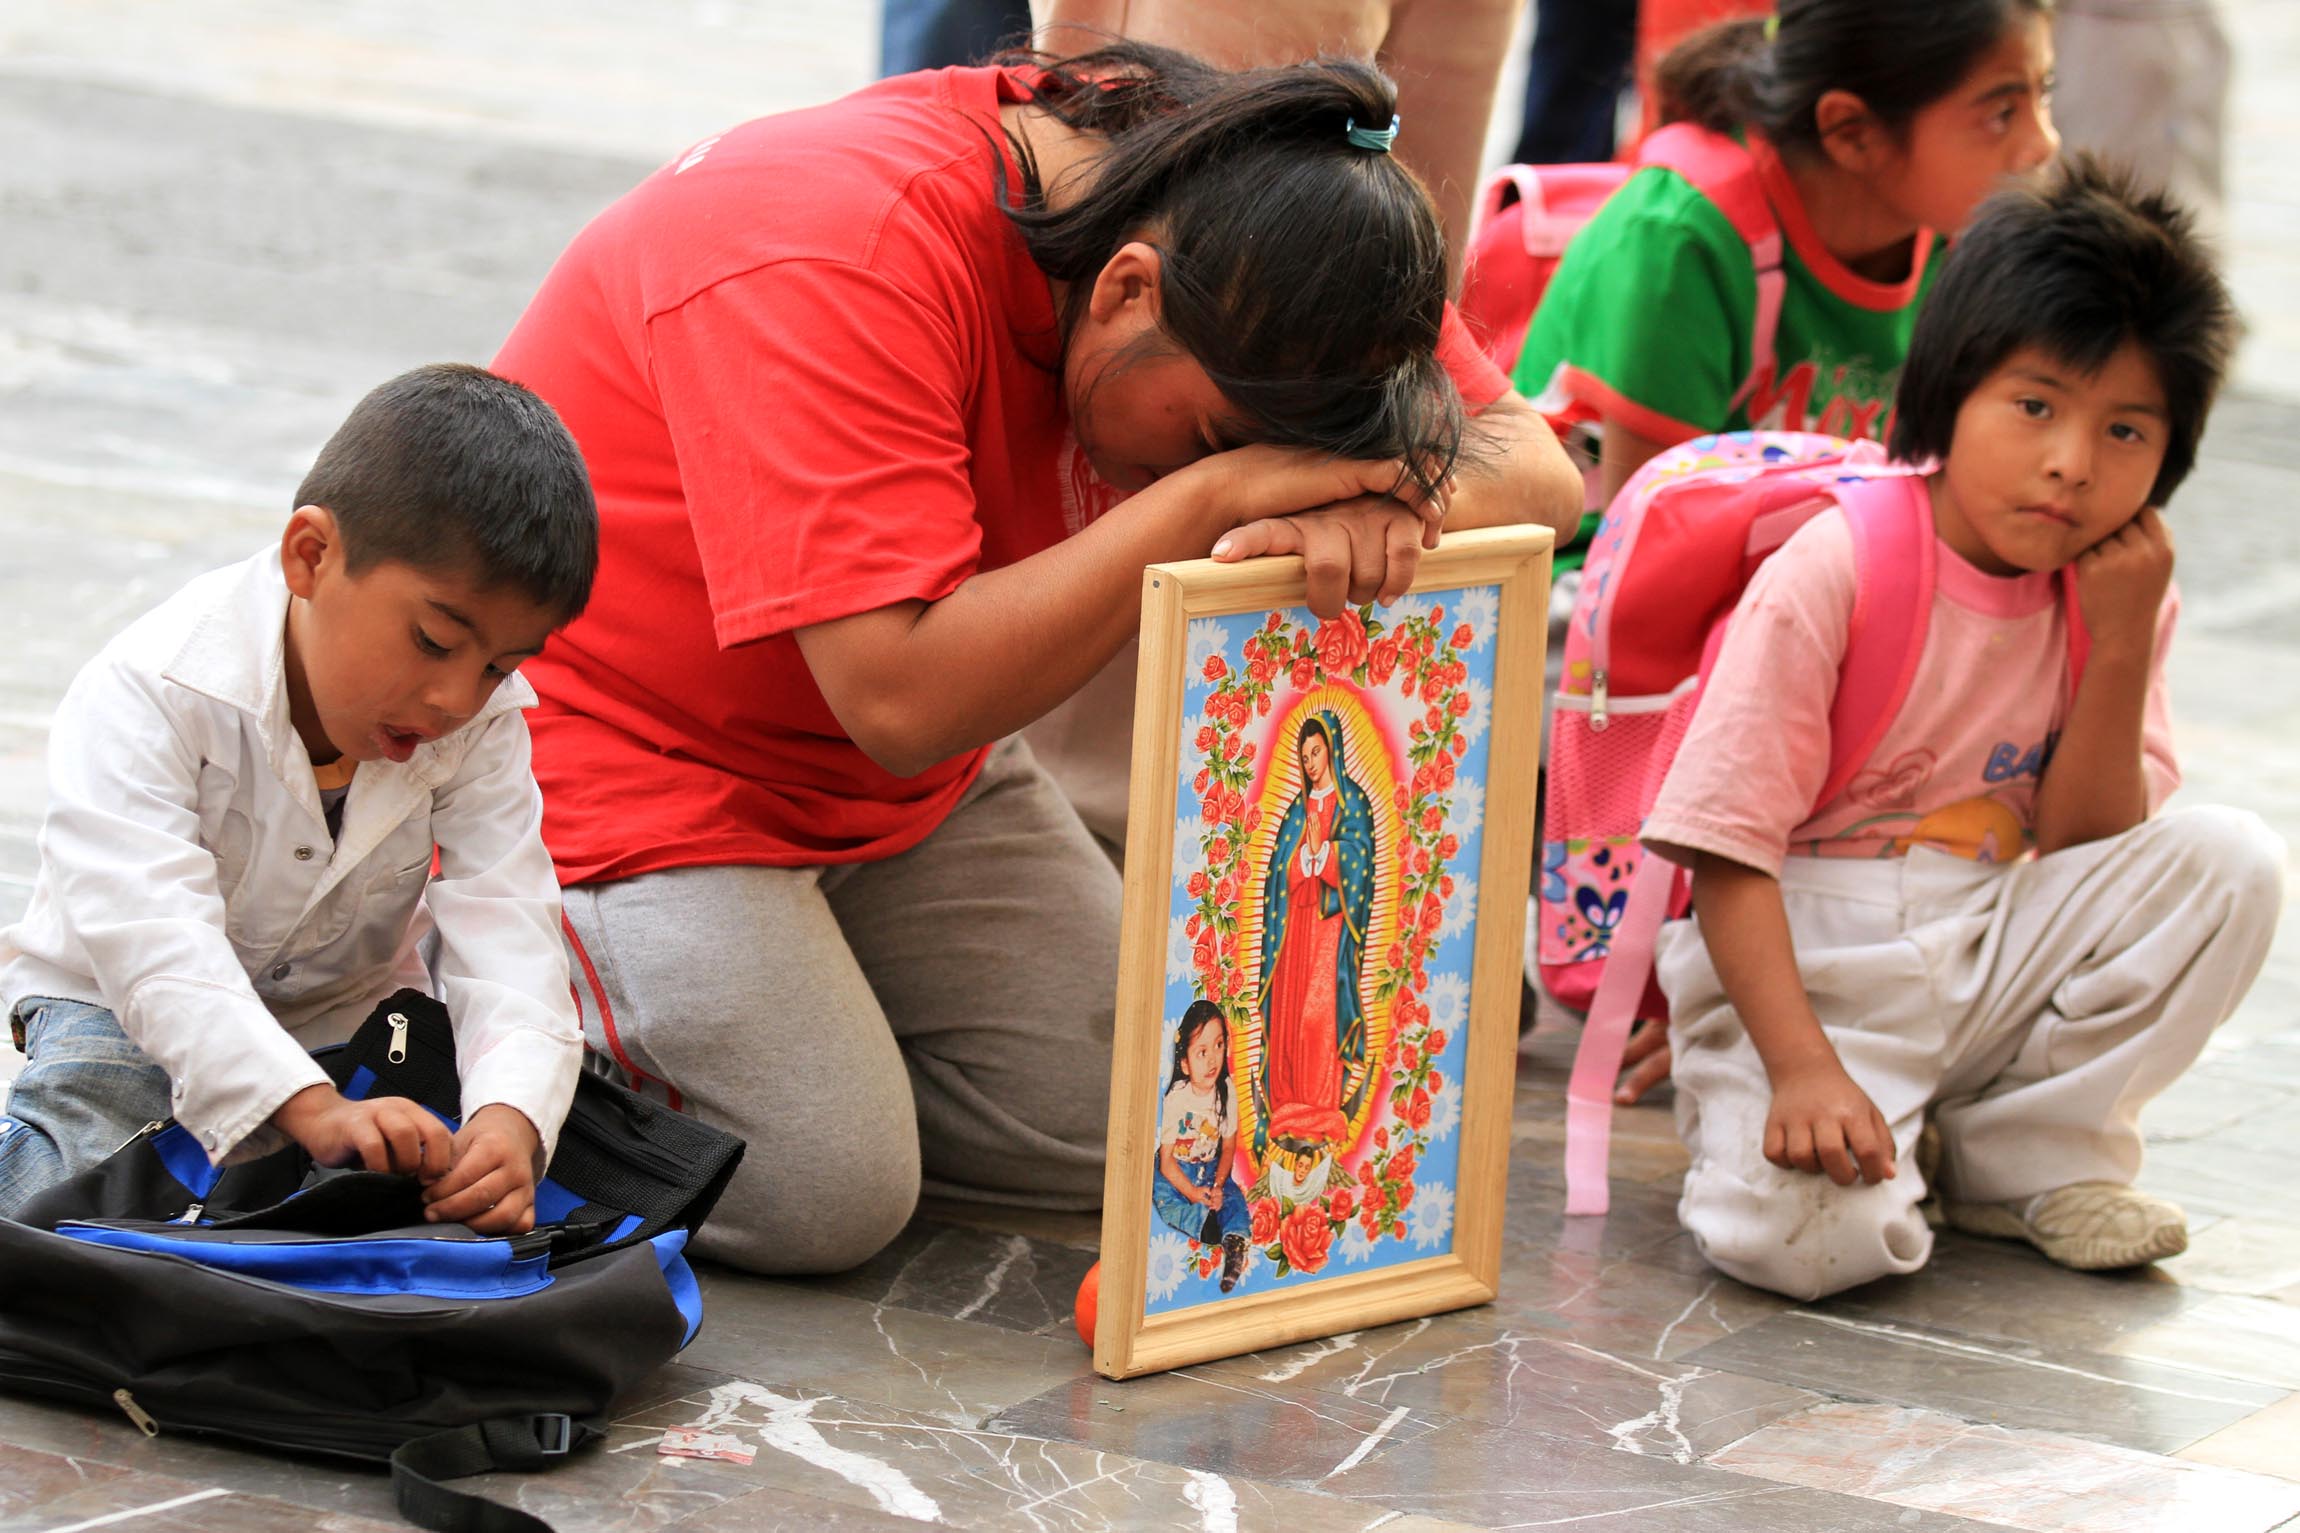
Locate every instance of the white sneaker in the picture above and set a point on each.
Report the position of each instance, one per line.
(2090, 1226)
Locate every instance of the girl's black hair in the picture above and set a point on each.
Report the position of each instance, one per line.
(1898, 56)
(2076, 268)
(1306, 275)
(1193, 1021)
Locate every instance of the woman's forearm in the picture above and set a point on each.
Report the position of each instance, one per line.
(1515, 472)
(919, 682)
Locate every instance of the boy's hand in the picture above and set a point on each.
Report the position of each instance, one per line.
(1821, 1122)
(2121, 581)
(384, 1134)
(491, 1186)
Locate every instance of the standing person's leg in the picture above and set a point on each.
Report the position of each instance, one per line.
(1574, 79)
(734, 988)
(2103, 972)
(2146, 82)
(1446, 56)
(993, 947)
(83, 1092)
(1228, 36)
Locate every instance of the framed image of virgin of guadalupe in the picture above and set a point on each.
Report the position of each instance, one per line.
(1317, 1013)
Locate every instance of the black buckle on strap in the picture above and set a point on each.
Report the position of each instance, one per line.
(554, 1433)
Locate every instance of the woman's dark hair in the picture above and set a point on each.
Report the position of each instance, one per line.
(1194, 1021)
(451, 467)
(2076, 268)
(1898, 56)
(1305, 274)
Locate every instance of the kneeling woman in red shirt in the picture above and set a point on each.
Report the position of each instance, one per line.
(887, 402)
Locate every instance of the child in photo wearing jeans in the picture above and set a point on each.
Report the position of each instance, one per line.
(1193, 1189)
(1992, 940)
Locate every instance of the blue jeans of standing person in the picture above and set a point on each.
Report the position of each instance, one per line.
(1573, 84)
(1189, 1217)
(83, 1092)
(934, 34)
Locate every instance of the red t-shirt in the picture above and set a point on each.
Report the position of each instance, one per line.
(812, 369)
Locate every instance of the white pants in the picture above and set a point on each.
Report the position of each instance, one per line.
(2030, 1009)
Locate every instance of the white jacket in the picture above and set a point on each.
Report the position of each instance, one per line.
(188, 882)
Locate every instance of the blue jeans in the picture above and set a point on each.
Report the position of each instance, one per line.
(1580, 65)
(83, 1092)
(1189, 1217)
(933, 34)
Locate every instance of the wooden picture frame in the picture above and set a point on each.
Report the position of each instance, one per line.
(1335, 1212)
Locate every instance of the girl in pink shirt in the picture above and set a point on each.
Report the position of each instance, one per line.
(1895, 964)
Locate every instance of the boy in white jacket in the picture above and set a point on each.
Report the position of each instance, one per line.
(246, 791)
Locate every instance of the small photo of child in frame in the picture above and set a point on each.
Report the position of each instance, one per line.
(1192, 1188)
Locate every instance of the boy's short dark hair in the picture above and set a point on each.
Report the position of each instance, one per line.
(453, 467)
(2074, 267)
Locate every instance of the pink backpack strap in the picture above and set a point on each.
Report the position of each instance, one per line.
(1655, 891)
(1605, 1035)
(1722, 170)
(1895, 563)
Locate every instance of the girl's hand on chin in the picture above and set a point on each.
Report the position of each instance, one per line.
(1361, 550)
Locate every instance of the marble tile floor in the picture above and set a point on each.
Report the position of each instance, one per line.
(1616, 1383)
(175, 340)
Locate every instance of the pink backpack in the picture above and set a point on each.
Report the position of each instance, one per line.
(1528, 213)
(1665, 571)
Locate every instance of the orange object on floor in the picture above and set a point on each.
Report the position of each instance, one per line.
(1083, 1312)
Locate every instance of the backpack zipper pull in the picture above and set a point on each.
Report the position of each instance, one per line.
(192, 1214)
(1597, 701)
(136, 1413)
(146, 1132)
(398, 1051)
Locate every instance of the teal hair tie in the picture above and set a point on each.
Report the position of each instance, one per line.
(1376, 139)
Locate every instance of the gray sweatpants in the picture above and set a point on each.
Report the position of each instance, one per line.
(940, 1019)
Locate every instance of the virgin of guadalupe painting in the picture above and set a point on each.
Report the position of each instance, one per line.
(1317, 907)
(1310, 1110)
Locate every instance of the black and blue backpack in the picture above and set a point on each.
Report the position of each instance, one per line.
(289, 1306)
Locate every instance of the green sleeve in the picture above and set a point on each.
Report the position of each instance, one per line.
(1647, 318)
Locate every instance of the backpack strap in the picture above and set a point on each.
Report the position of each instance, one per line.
(1605, 1035)
(510, 1442)
(1723, 171)
(1895, 564)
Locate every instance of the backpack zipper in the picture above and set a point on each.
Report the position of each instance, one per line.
(397, 1054)
(136, 1413)
(1597, 690)
(145, 1132)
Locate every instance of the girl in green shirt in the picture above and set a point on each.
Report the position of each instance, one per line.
(1872, 124)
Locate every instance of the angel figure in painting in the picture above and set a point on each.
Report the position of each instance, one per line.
(1317, 900)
